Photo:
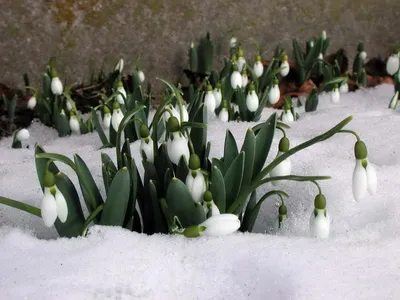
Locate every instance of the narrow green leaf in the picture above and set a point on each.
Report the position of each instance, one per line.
(115, 207)
(249, 147)
(21, 206)
(230, 149)
(233, 179)
(249, 208)
(218, 189)
(160, 225)
(99, 129)
(198, 136)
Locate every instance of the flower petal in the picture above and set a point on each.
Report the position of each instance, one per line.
(62, 208)
(372, 179)
(320, 224)
(48, 208)
(360, 183)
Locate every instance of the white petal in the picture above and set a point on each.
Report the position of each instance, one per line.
(286, 69)
(363, 55)
(224, 115)
(283, 169)
(48, 208)
(148, 149)
(121, 98)
(236, 80)
(252, 101)
(116, 119)
(240, 63)
(141, 76)
(56, 86)
(196, 186)
(258, 68)
(335, 96)
(287, 117)
(372, 179)
(344, 88)
(62, 208)
(274, 94)
(31, 102)
(74, 124)
(319, 225)
(22, 135)
(214, 209)
(177, 147)
(233, 42)
(220, 225)
(107, 120)
(209, 101)
(392, 64)
(245, 80)
(218, 97)
(360, 184)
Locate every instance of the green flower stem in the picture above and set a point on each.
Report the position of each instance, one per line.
(292, 178)
(190, 141)
(283, 131)
(245, 192)
(351, 132)
(318, 187)
(21, 206)
(274, 192)
(92, 216)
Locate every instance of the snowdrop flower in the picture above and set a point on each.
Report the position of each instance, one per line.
(32, 102)
(335, 95)
(285, 66)
(245, 78)
(53, 203)
(22, 135)
(140, 75)
(287, 117)
(121, 93)
(320, 56)
(107, 117)
(282, 215)
(224, 113)
(319, 219)
(363, 55)
(394, 100)
(56, 84)
(236, 78)
(217, 95)
(274, 92)
(393, 64)
(74, 123)
(323, 35)
(177, 144)
(167, 114)
(258, 66)
(364, 174)
(117, 116)
(219, 225)
(185, 115)
(209, 99)
(252, 100)
(119, 66)
(195, 180)
(241, 61)
(344, 88)
(146, 144)
(233, 42)
(210, 208)
(68, 105)
(285, 167)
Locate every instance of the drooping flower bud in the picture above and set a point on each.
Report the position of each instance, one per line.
(209, 99)
(274, 93)
(56, 84)
(236, 78)
(195, 180)
(285, 66)
(258, 67)
(217, 95)
(319, 219)
(252, 100)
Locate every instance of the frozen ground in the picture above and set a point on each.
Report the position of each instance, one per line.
(360, 260)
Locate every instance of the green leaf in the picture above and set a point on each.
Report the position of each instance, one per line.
(134, 177)
(312, 101)
(218, 189)
(160, 225)
(198, 136)
(116, 205)
(233, 179)
(75, 220)
(21, 206)
(230, 149)
(182, 170)
(181, 205)
(99, 129)
(264, 140)
(249, 147)
(249, 207)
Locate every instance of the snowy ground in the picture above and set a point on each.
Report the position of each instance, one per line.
(360, 260)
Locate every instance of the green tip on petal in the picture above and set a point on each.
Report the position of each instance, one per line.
(106, 110)
(360, 150)
(235, 67)
(240, 52)
(282, 210)
(54, 73)
(320, 202)
(49, 179)
(336, 86)
(276, 81)
(173, 124)
(209, 87)
(144, 131)
(194, 162)
(251, 87)
(218, 86)
(116, 105)
(284, 144)
(120, 84)
(285, 58)
(225, 104)
(193, 231)
(207, 197)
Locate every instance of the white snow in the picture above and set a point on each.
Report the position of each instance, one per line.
(360, 260)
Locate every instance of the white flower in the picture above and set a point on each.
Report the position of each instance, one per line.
(282, 169)
(235, 108)
(287, 117)
(319, 223)
(323, 35)
(245, 79)
(211, 208)
(335, 95)
(233, 42)
(344, 88)
(147, 147)
(258, 67)
(141, 76)
(252, 100)
(217, 95)
(241, 61)
(209, 100)
(224, 115)
(220, 225)
(61, 203)
(121, 95)
(363, 55)
(56, 86)
(392, 64)
(107, 120)
(177, 145)
(364, 179)
(167, 114)
(74, 124)
(274, 93)
(22, 135)
(31, 102)
(196, 184)
(119, 66)
(320, 56)
(285, 66)
(48, 208)
(69, 106)
(185, 115)
(236, 78)
(116, 118)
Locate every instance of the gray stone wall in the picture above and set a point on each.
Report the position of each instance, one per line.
(82, 34)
